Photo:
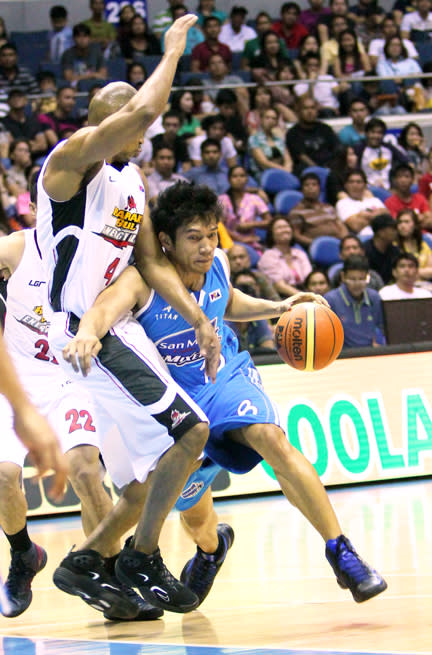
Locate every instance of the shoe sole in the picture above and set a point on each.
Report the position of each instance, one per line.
(42, 565)
(123, 609)
(151, 598)
(361, 597)
(143, 615)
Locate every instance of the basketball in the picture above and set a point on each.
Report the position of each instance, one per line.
(309, 337)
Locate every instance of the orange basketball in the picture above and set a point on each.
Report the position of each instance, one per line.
(309, 337)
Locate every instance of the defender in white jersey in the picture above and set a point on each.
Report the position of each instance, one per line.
(91, 217)
(70, 411)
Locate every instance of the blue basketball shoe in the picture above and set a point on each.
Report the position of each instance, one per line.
(352, 572)
(200, 572)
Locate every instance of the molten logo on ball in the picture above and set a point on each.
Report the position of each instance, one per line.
(297, 341)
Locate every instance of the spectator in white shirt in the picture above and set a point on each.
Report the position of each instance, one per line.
(417, 25)
(359, 206)
(389, 29)
(60, 37)
(405, 273)
(214, 128)
(163, 175)
(235, 34)
(323, 88)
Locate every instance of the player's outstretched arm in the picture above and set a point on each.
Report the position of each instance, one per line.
(109, 307)
(97, 143)
(34, 431)
(242, 307)
(160, 275)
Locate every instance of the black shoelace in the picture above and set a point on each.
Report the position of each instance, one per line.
(20, 575)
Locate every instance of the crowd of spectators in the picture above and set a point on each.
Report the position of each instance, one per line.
(249, 118)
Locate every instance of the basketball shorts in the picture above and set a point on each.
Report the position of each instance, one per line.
(134, 389)
(70, 412)
(235, 400)
(197, 484)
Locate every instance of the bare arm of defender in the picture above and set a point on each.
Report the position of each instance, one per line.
(91, 145)
(11, 251)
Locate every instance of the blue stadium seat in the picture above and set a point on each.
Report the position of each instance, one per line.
(324, 251)
(86, 85)
(51, 67)
(286, 200)
(149, 61)
(186, 76)
(236, 60)
(424, 48)
(32, 48)
(274, 180)
(334, 270)
(428, 238)
(380, 193)
(117, 69)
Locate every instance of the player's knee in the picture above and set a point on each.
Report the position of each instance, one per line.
(84, 470)
(9, 480)
(195, 439)
(273, 439)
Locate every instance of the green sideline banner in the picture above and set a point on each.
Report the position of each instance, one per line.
(360, 420)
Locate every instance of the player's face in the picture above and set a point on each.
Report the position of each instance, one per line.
(195, 245)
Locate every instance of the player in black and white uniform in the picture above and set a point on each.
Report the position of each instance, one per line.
(70, 411)
(91, 216)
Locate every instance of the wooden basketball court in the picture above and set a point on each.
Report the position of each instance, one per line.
(275, 593)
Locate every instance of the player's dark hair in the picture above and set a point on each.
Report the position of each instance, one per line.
(183, 203)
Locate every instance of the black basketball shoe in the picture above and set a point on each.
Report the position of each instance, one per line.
(200, 572)
(82, 573)
(155, 583)
(22, 570)
(146, 612)
(352, 572)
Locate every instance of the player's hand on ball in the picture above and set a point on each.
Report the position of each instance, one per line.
(303, 297)
(80, 351)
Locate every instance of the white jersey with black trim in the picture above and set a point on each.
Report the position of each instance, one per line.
(87, 241)
(26, 328)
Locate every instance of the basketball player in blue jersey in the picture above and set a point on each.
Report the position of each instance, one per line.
(92, 216)
(71, 412)
(244, 425)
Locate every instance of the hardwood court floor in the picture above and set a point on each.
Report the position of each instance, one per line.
(275, 594)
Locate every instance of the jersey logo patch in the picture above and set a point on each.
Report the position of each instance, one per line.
(192, 490)
(215, 295)
(37, 323)
(181, 348)
(177, 418)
